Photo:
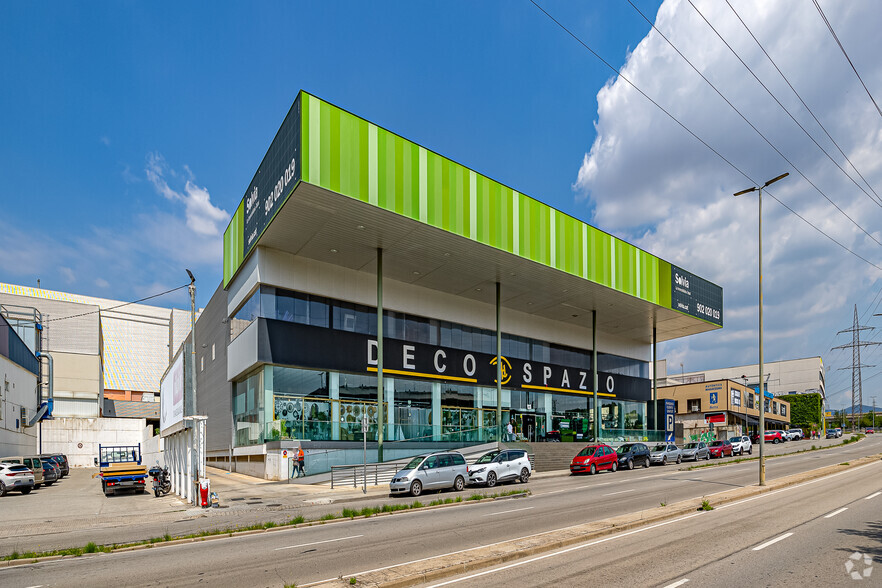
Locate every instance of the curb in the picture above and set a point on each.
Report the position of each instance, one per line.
(437, 568)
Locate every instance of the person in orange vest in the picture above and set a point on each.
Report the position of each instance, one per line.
(301, 471)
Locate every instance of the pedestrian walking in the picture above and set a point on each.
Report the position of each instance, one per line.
(510, 430)
(301, 471)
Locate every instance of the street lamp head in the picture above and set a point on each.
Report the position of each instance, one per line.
(192, 279)
(744, 191)
(773, 180)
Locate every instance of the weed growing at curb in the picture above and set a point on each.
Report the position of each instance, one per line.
(663, 504)
(352, 580)
(705, 505)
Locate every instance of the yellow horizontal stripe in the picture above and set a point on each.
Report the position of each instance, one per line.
(550, 389)
(421, 375)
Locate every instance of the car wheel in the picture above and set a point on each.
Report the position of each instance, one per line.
(646, 463)
(25, 490)
(156, 492)
(615, 466)
(37, 486)
(777, 441)
(593, 469)
(459, 484)
(525, 475)
(491, 479)
(416, 488)
(2, 489)
(679, 459)
(750, 451)
(665, 460)
(630, 464)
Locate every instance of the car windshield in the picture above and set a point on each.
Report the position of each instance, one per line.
(716, 443)
(691, 446)
(735, 440)
(587, 451)
(415, 462)
(660, 448)
(487, 457)
(18, 468)
(624, 449)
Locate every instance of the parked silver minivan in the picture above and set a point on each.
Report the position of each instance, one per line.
(435, 471)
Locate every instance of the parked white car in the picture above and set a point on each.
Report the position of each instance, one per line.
(741, 445)
(795, 435)
(501, 466)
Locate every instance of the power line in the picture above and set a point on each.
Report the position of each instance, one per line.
(877, 199)
(61, 318)
(695, 136)
(778, 151)
(841, 48)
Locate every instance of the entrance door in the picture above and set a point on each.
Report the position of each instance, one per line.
(528, 426)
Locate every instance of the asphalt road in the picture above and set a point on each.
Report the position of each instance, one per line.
(348, 548)
(800, 535)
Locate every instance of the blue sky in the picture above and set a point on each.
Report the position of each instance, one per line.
(131, 130)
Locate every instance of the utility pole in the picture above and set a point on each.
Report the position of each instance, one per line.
(857, 397)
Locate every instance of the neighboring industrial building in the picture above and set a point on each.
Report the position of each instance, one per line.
(789, 376)
(108, 356)
(343, 218)
(719, 409)
(19, 398)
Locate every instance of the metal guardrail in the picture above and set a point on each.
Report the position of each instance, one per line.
(354, 475)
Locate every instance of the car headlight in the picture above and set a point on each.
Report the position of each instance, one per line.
(477, 471)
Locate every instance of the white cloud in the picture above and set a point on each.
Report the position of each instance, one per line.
(647, 179)
(202, 216)
(68, 274)
(102, 283)
(105, 140)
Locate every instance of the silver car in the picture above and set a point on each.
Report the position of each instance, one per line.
(663, 453)
(435, 471)
(501, 466)
(696, 450)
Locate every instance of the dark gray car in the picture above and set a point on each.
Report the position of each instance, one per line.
(696, 450)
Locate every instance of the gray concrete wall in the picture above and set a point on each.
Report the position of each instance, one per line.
(79, 438)
(213, 390)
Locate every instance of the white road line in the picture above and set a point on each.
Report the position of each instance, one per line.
(493, 514)
(765, 495)
(677, 583)
(772, 542)
(836, 512)
(318, 542)
(621, 492)
(873, 495)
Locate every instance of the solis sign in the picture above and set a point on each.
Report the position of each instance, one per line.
(696, 296)
(276, 177)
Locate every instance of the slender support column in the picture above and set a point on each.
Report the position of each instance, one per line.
(594, 374)
(654, 365)
(380, 419)
(499, 428)
(389, 397)
(334, 393)
(436, 412)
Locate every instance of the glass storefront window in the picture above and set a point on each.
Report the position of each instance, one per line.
(248, 410)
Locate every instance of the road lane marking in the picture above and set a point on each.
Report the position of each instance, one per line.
(764, 495)
(493, 514)
(873, 495)
(620, 492)
(318, 542)
(772, 542)
(836, 512)
(678, 583)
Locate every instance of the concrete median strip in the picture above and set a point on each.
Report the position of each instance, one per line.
(445, 566)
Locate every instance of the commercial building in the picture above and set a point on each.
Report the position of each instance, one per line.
(19, 399)
(719, 409)
(344, 221)
(789, 376)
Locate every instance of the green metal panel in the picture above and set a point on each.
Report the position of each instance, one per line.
(233, 238)
(349, 155)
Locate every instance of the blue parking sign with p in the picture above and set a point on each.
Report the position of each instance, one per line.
(669, 420)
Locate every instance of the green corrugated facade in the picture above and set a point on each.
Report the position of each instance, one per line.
(353, 157)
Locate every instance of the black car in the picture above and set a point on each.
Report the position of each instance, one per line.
(633, 454)
(60, 460)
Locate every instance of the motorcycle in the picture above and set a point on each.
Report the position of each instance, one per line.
(161, 480)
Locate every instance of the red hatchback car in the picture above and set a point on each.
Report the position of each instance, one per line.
(774, 437)
(720, 448)
(593, 458)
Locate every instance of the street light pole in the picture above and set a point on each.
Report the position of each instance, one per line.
(762, 406)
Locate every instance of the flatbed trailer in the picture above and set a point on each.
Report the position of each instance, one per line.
(120, 469)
